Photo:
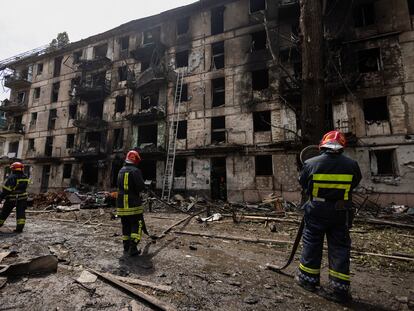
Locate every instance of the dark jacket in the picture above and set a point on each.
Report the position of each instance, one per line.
(330, 177)
(15, 186)
(130, 184)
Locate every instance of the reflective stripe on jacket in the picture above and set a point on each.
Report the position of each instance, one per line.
(130, 184)
(15, 186)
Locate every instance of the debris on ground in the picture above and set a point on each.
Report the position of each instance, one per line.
(39, 265)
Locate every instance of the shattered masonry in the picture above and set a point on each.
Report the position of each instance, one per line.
(74, 112)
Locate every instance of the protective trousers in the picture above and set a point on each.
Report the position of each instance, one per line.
(132, 228)
(320, 219)
(8, 206)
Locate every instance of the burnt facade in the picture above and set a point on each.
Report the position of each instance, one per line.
(74, 112)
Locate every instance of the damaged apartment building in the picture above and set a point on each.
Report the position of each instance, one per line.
(212, 89)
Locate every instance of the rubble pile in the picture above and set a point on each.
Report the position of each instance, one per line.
(43, 200)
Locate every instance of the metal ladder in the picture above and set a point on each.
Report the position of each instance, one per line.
(172, 139)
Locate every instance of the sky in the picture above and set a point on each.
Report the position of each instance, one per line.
(28, 24)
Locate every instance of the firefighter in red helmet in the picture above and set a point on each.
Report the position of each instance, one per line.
(15, 195)
(129, 204)
(328, 180)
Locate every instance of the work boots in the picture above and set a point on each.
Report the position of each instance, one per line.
(310, 287)
(133, 250)
(338, 296)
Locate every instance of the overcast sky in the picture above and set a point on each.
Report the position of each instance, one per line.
(28, 24)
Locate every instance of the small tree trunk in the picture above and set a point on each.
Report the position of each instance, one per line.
(313, 90)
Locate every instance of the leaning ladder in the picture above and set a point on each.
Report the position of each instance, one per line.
(172, 139)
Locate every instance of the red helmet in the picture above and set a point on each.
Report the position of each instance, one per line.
(333, 140)
(17, 166)
(133, 157)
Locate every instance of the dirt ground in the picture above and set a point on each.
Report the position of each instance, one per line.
(205, 273)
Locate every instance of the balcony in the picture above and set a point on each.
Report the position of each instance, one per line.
(17, 81)
(13, 106)
(151, 149)
(46, 157)
(90, 123)
(94, 64)
(147, 52)
(92, 90)
(151, 114)
(88, 150)
(12, 129)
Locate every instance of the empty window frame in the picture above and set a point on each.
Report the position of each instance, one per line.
(33, 118)
(181, 59)
(217, 20)
(39, 69)
(147, 134)
(218, 130)
(183, 25)
(49, 146)
(261, 121)
(259, 41)
(93, 139)
(369, 60)
(31, 145)
(118, 139)
(411, 7)
(67, 171)
(21, 96)
(77, 56)
(180, 167)
(120, 104)
(364, 15)
(122, 73)
(14, 147)
(264, 165)
(182, 129)
(257, 5)
(73, 108)
(184, 93)
(95, 110)
(100, 50)
(57, 66)
(70, 141)
(218, 54)
(55, 92)
(219, 92)
(124, 43)
(260, 80)
(376, 109)
(36, 93)
(52, 119)
(149, 100)
(151, 36)
(383, 162)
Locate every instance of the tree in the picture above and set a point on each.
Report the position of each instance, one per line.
(60, 41)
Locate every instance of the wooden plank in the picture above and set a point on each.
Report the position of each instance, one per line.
(134, 281)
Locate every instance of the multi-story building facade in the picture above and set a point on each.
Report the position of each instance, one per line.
(74, 112)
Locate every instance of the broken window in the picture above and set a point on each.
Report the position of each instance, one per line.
(151, 36)
(147, 134)
(31, 146)
(261, 121)
(118, 139)
(124, 43)
(148, 169)
(184, 93)
(260, 80)
(257, 5)
(117, 164)
(57, 66)
(49, 146)
(21, 96)
(90, 173)
(180, 167)
(369, 60)
(149, 100)
(36, 93)
(67, 171)
(218, 130)
(218, 54)
(100, 50)
(383, 162)
(183, 25)
(39, 69)
(70, 140)
(52, 119)
(95, 110)
(411, 7)
(217, 20)
(55, 92)
(364, 15)
(181, 59)
(182, 129)
(120, 104)
(376, 109)
(14, 147)
(93, 139)
(33, 118)
(259, 41)
(264, 165)
(77, 57)
(122, 73)
(219, 92)
(73, 108)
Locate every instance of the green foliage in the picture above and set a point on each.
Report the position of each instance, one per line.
(60, 41)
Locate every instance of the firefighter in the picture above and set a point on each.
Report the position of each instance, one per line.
(15, 195)
(129, 204)
(328, 180)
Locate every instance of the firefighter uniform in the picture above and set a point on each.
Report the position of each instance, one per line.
(328, 179)
(15, 195)
(129, 206)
